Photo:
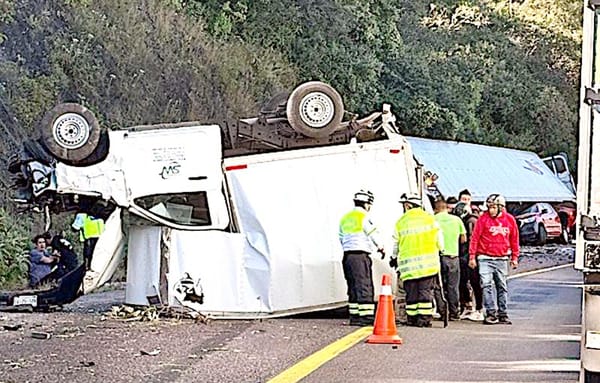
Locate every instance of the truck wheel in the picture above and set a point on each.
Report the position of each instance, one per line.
(542, 235)
(315, 109)
(71, 133)
(99, 154)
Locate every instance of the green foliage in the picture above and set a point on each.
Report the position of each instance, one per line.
(494, 72)
(14, 247)
(77, 2)
(7, 11)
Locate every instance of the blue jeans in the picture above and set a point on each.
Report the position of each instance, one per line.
(493, 273)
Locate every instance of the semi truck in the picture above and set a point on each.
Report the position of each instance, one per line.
(587, 258)
(232, 220)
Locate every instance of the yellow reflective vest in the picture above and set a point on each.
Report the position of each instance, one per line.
(357, 232)
(418, 247)
(90, 227)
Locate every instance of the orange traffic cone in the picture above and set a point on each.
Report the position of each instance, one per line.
(385, 327)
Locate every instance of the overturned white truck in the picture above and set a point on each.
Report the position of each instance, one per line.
(235, 221)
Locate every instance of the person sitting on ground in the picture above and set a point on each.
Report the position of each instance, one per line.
(41, 262)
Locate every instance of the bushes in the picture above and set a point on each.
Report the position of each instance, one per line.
(14, 247)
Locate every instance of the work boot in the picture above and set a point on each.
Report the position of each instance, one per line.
(355, 321)
(401, 321)
(366, 320)
(411, 320)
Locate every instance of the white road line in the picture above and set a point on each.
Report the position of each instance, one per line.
(554, 365)
(533, 272)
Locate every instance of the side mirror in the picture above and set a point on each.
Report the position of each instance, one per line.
(544, 211)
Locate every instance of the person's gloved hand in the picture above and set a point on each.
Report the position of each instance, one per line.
(394, 263)
(382, 252)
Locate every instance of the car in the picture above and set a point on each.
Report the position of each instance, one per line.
(539, 223)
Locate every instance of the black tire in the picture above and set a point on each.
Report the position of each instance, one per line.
(99, 153)
(315, 109)
(71, 133)
(542, 237)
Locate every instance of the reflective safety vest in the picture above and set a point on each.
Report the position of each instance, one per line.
(418, 251)
(91, 228)
(352, 235)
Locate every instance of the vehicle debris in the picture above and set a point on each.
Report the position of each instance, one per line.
(12, 327)
(41, 335)
(153, 313)
(150, 353)
(69, 332)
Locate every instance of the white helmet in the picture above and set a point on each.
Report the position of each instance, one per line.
(411, 198)
(364, 196)
(495, 199)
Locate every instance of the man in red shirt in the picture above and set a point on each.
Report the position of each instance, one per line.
(495, 242)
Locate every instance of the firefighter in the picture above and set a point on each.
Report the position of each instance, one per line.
(357, 235)
(90, 228)
(417, 244)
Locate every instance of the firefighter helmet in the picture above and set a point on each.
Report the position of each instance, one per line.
(495, 199)
(364, 196)
(411, 198)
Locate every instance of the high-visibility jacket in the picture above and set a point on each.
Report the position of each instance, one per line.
(88, 226)
(357, 232)
(417, 236)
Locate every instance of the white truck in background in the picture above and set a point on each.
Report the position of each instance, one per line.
(236, 221)
(587, 257)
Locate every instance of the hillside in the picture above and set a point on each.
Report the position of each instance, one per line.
(492, 72)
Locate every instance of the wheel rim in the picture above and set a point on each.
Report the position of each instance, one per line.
(71, 131)
(316, 109)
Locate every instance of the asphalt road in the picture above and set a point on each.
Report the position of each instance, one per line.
(88, 345)
(542, 345)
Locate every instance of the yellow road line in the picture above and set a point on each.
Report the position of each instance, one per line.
(319, 358)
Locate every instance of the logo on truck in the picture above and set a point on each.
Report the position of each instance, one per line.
(169, 170)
